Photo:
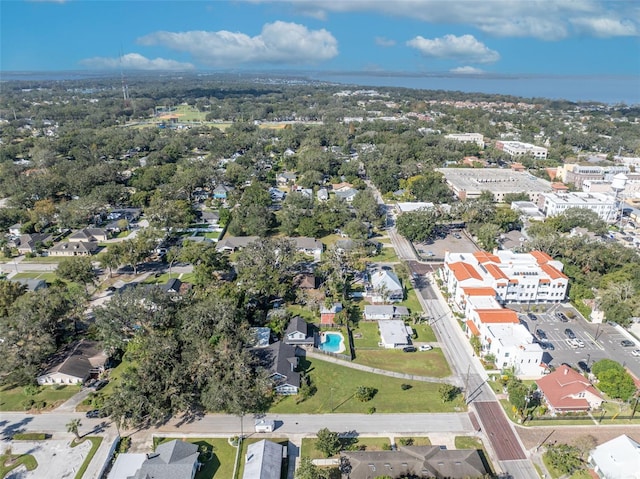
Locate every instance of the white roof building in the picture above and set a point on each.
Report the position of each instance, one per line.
(476, 138)
(553, 204)
(513, 346)
(518, 148)
(263, 460)
(618, 458)
(404, 207)
(394, 333)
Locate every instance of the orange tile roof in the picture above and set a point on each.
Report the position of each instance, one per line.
(473, 328)
(463, 271)
(541, 257)
(552, 272)
(479, 291)
(496, 272)
(484, 257)
(562, 387)
(503, 316)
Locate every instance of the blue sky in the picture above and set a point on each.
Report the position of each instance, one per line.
(539, 37)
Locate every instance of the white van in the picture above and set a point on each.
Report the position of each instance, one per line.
(264, 425)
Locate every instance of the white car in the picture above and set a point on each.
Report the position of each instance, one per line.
(426, 347)
(636, 352)
(579, 342)
(572, 343)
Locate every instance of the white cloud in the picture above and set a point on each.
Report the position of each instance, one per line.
(467, 70)
(135, 61)
(605, 27)
(542, 19)
(462, 48)
(278, 43)
(385, 42)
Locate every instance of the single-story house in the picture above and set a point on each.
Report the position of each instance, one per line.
(74, 364)
(276, 194)
(15, 230)
(413, 461)
(211, 218)
(566, 390)
(328, 315)
(80, 248)
(235, 243)
(347, 195)
(394, 333)
(264, 460)
(174, 286)
(342, 186)
(89, 234)
(384, 287)
(307, 281)
(172, 460)
(126, 465)
(619, 457)
(385, 311)
(322, 194)
(281, 360)
(29, 243)
(310, 246)
(286, 178)
(298, 332)
(221, 192)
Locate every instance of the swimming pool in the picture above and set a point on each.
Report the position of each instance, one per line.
(332, 342)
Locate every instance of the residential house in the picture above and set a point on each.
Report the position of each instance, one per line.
(286, 178)
(174, 286)
(74, 364)
(234, 243)
(172, 460)
(413, 461)
(80, 248)
(15, 230)
(126, 465)
(384, 287)
(385, 311)
(281, 360)
(566, 390)
(307, 281)
(342, 186)
(322, 194)
(264, 460)
(617, 458)
(328, 315)
(276, 194)
(89, 234)
(394, 333)
(347, 195)
(310, 246)
(221, 192)
(210, 218)
(29, 243)
(298, 333)
(261, 337)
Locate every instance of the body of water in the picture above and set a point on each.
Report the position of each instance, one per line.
(332, 342)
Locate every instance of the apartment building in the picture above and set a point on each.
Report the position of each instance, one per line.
(518, 148)
(476, 138)
(553, 204)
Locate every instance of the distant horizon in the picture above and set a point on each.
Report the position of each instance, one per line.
(610, 89)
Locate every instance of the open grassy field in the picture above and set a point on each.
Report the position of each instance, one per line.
(9, 462)
(366, 335)
(13, 398)
(421, 363)
(308, 448)
(48, 276)
(386, 255)
(336, 386)
(220, 465)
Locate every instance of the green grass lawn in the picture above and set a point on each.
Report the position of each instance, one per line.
(415, 441)
(243, 453)
(336, 386)
(411, 302)
(421, 363)
(467, 442)
(95, 444)
(308, 448)
(48, 276)
(386, 255)
(303, 312)
(366, 335)
(424, 333)
(27, 459)
(44, 259)
(220, 465)
(13, 398)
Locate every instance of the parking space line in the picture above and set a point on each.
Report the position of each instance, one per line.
(596, 343)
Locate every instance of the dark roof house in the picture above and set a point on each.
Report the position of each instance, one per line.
(263, 460)
(298, 332)
(281, 360)
(414, 461)
(74, 364)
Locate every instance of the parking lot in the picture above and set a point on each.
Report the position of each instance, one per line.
(454, 241)
(592, 343)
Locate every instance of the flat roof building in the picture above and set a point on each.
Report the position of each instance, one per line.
(476, 138)
(553, 204)
(517, 148)
(469, 183)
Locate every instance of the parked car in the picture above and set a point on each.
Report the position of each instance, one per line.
(579, 342)
(584, 367)
(100, 384)
(572, 343)
(627, 344)
(532, 316)
(550, 346)
(636, 353)
(570, 334)
(93, 413)
(409, 349)
(457, 236)
(426, 347)
(562, 317)
(541, 334)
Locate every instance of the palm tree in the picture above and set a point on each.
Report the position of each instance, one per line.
(73, 425)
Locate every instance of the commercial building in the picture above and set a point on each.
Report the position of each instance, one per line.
(517, 148)
(553, 204)
(476, 138)
(578, 174)
(515, 277)
(469, 183)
